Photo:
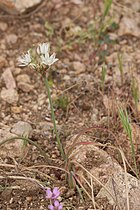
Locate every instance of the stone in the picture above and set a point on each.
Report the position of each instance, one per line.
(41, 99)
(46, 127)
(16, 109)
(23, 78)
(22, 129)
(129, 26)
(9, 95)
(3, 26)
(25, 87)
(77, 1)
(3, 45)
(116, 185)
(17, 71)
(78, 67)
(3, 62)
(102, 165)
(136, 6)
(9, 79)
(18, 6)
(104, 169)
(8, 5)
(11, 148)
(11, 38)
(94, 116)
(66, 77)
(23, 82)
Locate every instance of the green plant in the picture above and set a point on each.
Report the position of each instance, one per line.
(107, 6)
(41, 62)
(62, 102)
(104, 23)
(96, 31)
(49, 29)
(53, 119)
(128, 129)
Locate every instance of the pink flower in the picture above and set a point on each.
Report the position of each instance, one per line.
(56, 206)
(52, 194)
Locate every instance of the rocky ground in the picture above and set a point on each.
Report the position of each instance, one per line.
(86, 103)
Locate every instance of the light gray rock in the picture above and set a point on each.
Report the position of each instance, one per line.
(78, 67)
(11, 148)
(25, 87)
(24, 83)
(41, 99)
(66, 77)
(11, 38)
(3, 61)
(105, 169)
(103, 165)
(9, 79)
(77, 1)
(17, 71)
(9, 95)
(23, 78)
(22, 129)
(3, 26)
(18, 6)
(129, 26)
(118, 186)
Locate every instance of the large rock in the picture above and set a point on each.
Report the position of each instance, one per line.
(9, 79)
(3, 26)
(23, 78)
(118, 187)
(18, 6)
(96, 160)
(24, 81)
(11, 148)
(25, 87)
(11, 39)
(9, 95)
(129, 26)
(79, 67)
(106, 170)
(22, 129)
(3, 62)
(126, 15)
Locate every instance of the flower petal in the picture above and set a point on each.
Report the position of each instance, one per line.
(51, 207)
(56, 193)
(60, 207)
(48, 194)
(43, 48)
(25, 59)
(56, 203)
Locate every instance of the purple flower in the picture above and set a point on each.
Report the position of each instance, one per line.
(52, 194)
(51, 207)
(56, 206)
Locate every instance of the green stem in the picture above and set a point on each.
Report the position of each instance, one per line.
(53, 119)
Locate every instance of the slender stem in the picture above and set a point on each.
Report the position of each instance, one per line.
(53, 119)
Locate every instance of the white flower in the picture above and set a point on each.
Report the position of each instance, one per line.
(43, 48)
(25, 60)
(48, 60)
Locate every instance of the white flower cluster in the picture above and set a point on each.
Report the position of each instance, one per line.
(43, 51)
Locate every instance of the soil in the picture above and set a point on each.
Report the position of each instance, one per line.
(76, 79)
